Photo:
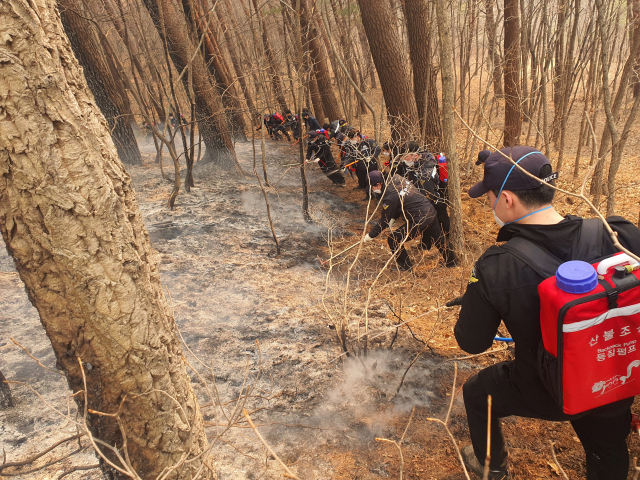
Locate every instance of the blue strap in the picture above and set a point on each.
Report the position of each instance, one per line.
(507, 177)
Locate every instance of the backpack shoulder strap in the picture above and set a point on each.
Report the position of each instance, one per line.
(588, 246)
(535, 256)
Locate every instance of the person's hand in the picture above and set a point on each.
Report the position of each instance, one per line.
(367, 238)
(392, 222)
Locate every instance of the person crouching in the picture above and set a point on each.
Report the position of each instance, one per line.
(401, 200)
(318, 151)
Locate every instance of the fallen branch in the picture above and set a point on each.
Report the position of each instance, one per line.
(555, 460)
(37, 456)
(289, 473)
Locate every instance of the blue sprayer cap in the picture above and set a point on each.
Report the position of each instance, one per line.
(576, 277)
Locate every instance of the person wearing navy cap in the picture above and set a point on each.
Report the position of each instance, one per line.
(403, 203)
(504, 287)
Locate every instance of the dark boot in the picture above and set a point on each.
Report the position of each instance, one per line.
(473, 465)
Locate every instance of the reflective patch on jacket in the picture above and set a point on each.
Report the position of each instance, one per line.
(473, 278)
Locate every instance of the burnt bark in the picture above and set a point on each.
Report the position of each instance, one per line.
(100, 80)
(386, 49)
(70, 220)
(512, 108)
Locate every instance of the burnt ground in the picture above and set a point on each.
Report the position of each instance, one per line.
(257, 319)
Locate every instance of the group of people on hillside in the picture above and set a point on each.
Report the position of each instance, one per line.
(504, 286)
(415, 180)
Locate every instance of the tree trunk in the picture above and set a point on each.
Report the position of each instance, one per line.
(448, 128)
(512, 109)
(70, 220)
(490, 25)
(235, 58)
(210, 111)
(419, 32)
(386, 49)
(272, 69)
(220, 71)
(88, 52)
(316, 99)
(329, 102)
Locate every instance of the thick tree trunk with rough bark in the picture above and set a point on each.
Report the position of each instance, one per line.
(512, 108)
(70, 220)
(386, 49)
(448, 128)
(320, 66)
(88, 52)
(210, 112)
(418, 29)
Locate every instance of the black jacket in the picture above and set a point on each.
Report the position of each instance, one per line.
(321, 150)
(502, 287)
(424, 175)
(312, 123)
(401, 199)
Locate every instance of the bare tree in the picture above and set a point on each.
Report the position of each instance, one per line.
(386, 49)
(70, 220)
(512, 108)
(89, 53)
(424, 84)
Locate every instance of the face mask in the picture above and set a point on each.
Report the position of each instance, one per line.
(386, 154)
(498, 221)
(377, 192)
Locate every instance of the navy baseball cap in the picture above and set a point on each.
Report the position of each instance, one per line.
(375, 177)
(482, 156)
(313, 134)
(497, 168)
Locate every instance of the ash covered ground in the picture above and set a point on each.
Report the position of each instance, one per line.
(256, 319)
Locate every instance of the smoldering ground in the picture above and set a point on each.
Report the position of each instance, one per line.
(254, 318)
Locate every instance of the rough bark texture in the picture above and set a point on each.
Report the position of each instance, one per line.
(448, 128)
(490, 25)
(386, 49)
(419, 32)
(70, 220)
(101, 83)
(210, 111)
(512, 109)
(316, 98)
(320, 66)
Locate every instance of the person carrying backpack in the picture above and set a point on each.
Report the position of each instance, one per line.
(504, 286)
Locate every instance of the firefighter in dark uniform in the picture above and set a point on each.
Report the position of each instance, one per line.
(310, 121)
(423, 170)
(503, 287)
(292, 124)
(402, 201)
(318, 151)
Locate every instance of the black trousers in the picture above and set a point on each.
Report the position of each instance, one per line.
(362, 171)
(398, 235)
(602, 431)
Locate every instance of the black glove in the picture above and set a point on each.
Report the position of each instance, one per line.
(454, 302)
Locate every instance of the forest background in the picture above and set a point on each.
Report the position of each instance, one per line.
(457, 76)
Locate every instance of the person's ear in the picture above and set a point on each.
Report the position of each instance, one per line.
(509, 198)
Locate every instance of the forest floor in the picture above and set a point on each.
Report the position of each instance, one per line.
(267, 322)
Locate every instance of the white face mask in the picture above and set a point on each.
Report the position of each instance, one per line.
(409, 164)
(377, 192)
(498, 221)
(386, 154)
